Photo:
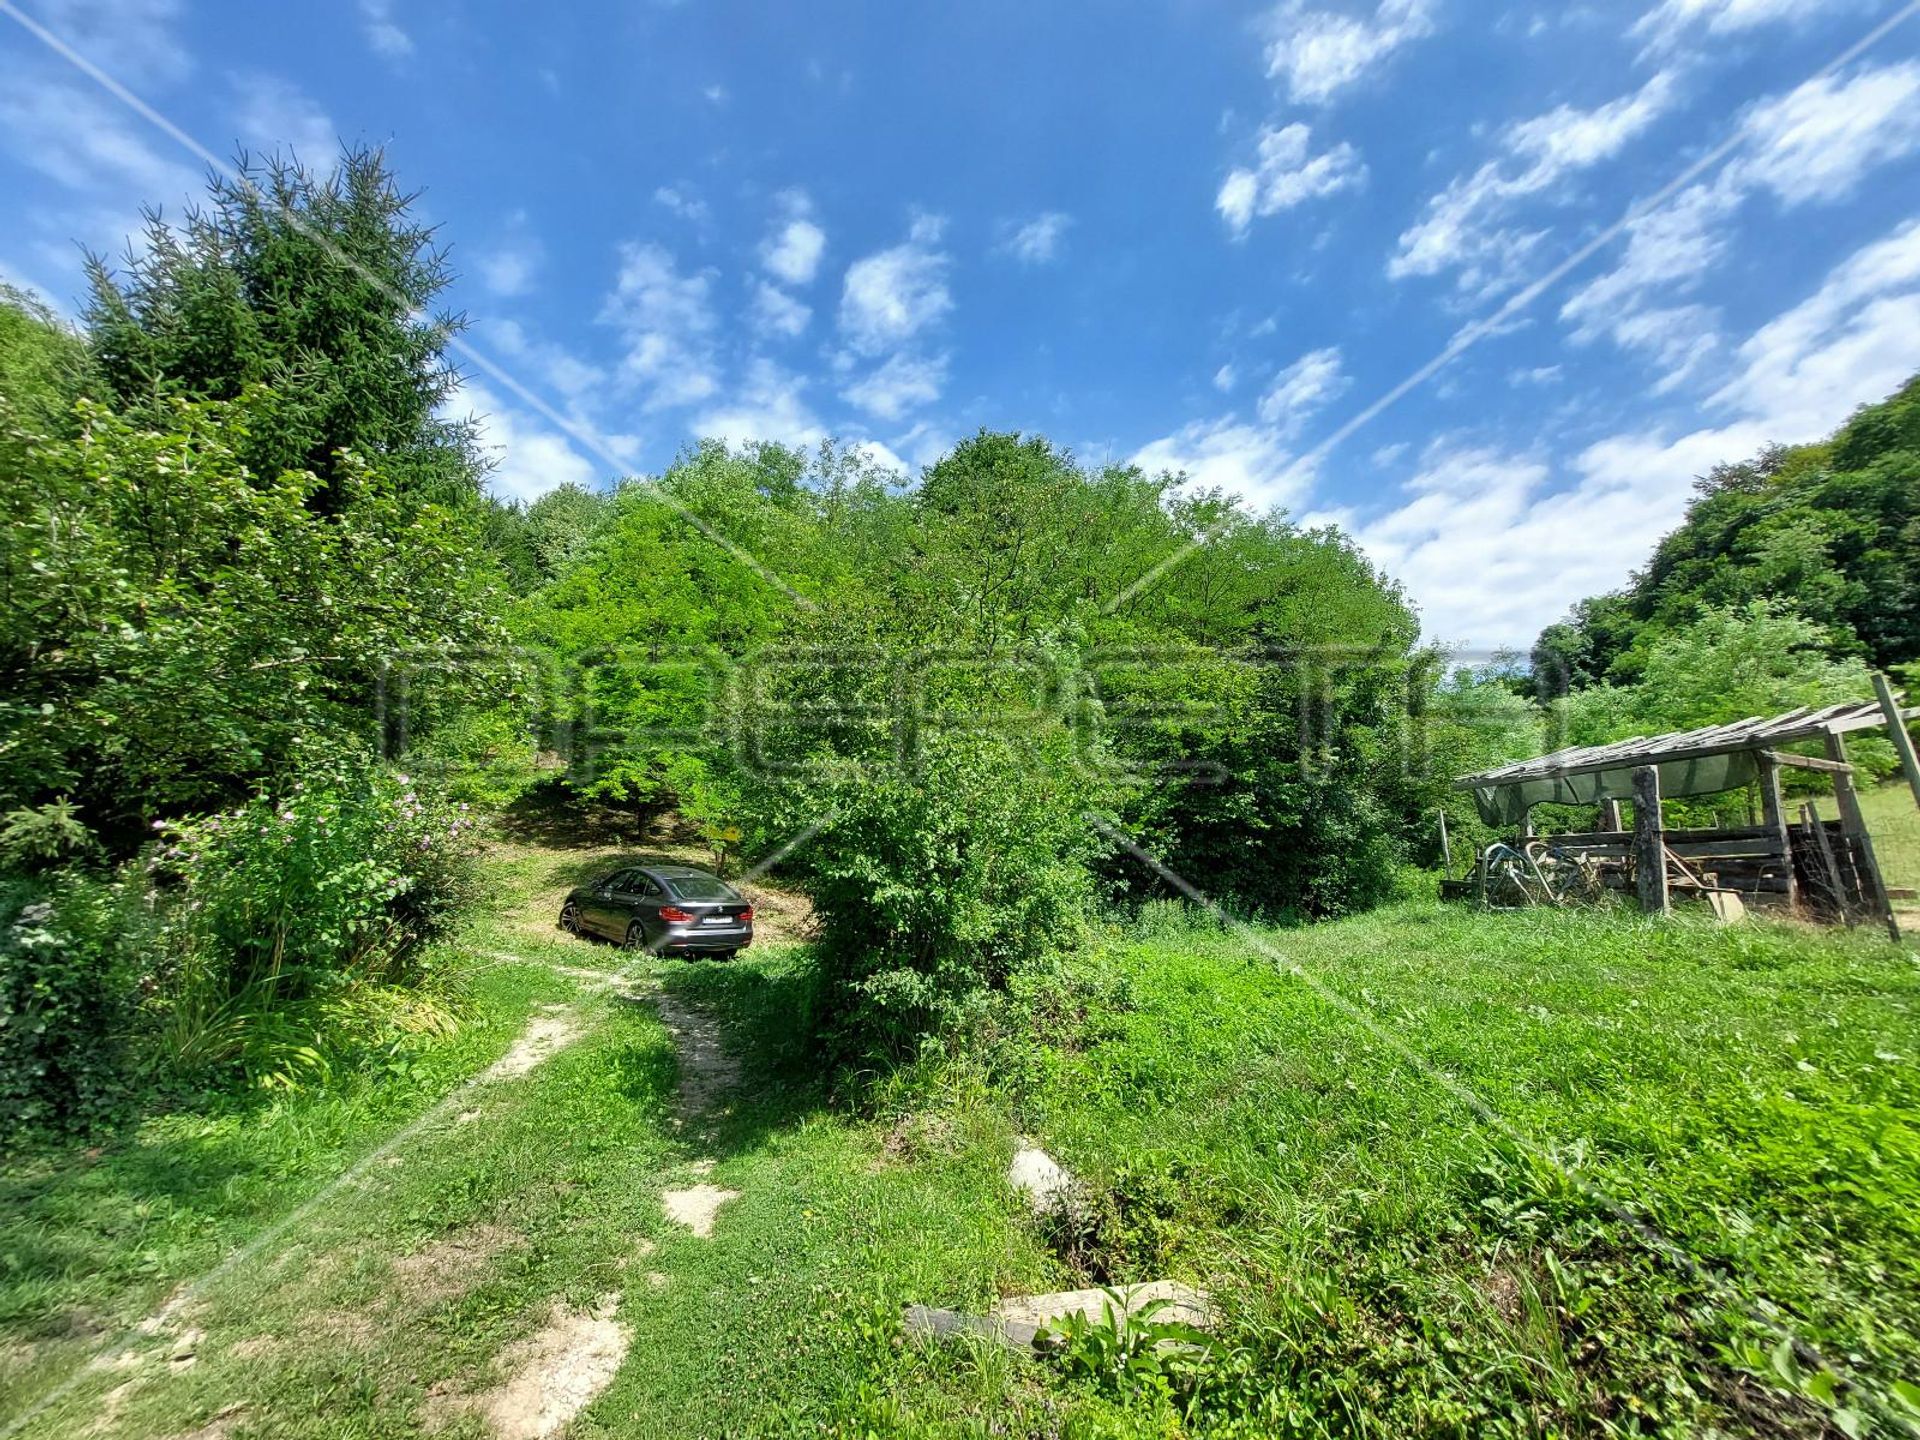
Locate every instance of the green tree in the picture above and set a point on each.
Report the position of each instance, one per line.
(44, 368)
(1832, 529)
(174, 626)
(322, 288)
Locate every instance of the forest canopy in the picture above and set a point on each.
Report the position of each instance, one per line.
(1829, 531)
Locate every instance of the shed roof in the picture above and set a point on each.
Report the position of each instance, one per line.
(1692, 762)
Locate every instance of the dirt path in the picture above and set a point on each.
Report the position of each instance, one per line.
(350, 1284)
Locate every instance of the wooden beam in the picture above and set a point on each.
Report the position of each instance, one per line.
(1609, 815)
(1854, 824)
(1897, 732)
(1446, 850)
(1649, 842)
(1774, 817)
(1804, 762)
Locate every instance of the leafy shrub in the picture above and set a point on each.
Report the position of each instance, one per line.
(69, 972)
(936, 885)
(296, 917)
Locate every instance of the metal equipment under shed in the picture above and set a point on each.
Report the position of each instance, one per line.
(1823, 868)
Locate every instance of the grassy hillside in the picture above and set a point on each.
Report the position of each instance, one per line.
(1447, 1174)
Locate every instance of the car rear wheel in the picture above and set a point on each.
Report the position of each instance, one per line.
(636, 936)
(570, 918)
(725, 954)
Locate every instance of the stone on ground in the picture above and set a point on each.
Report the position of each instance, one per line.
(1041, 1179)
(696, 1207)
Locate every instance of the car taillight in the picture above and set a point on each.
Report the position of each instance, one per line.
(746, 915)
(674, 916)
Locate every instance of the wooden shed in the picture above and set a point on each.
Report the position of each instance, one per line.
(1823, 868)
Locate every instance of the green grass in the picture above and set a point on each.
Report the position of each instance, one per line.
(1447, 1173)
(1541, 1169)
(1893, 820)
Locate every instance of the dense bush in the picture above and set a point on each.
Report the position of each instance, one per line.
(172, 623)
(937, 884)
(72, 952)
(291, 918)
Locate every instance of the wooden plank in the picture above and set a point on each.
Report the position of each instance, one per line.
(1773, 813)
(1803, 762)
(1897, 732)
(1649, 844)
(1771, 847)
(1609, 816)
(1854, 824)
(1446, 850)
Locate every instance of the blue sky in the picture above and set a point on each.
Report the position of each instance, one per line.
(1210, 236)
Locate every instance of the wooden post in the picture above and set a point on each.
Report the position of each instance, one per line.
(1854, 824)
(1610, 815)
(1897, 732)
(1821, 849)
(1776, 822)
(1446, 850)
(1649, 842)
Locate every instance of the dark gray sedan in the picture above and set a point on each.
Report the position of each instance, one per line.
(667, 909)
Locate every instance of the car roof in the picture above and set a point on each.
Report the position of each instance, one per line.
(676, 870)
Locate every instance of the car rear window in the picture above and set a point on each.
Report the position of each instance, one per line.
(700, 887)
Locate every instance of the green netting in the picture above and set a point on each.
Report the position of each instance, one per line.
(1508, 804)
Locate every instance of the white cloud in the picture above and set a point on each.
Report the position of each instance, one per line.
(1538, 375)
(1464, 226)
(1494, 546)
(1668, 21)
(769, 406)
(680, 202)
(1318, 53)
(531, 458)
(388, 40)
(1285, 174)
(1818, 141)
(1815, 143)
(86, 143)
(508, 269)
(668, 323)
(277, 116)
(1855, 339)
(556, 366)
(132, 40)
(1303, 389)
(1250, 461)
(775, 312)
(884, 456)
(1225, 378)
(1038, 240)
(793, 252)
(903, 383)
(891, 296)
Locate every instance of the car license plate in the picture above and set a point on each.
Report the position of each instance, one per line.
(719, 920)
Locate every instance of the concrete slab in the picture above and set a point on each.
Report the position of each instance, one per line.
(1185, 1305)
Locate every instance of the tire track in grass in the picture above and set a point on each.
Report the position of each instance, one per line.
(543, 1036)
